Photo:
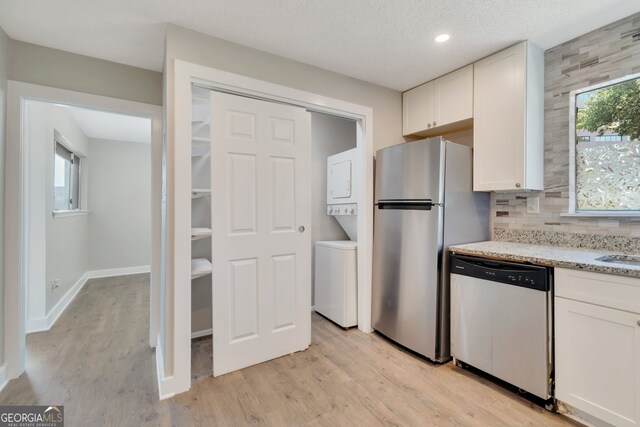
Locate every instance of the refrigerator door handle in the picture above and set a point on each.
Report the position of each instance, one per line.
(418, 205)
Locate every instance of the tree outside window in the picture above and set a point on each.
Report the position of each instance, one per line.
(608, 148)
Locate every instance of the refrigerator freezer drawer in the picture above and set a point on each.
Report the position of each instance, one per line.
(405, 277)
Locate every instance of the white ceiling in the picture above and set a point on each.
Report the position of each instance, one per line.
(387, 42)
(98, 124)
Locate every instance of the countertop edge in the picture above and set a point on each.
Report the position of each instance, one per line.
(547, 262)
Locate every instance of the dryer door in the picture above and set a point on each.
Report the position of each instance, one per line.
(340, 180)
(341, 169)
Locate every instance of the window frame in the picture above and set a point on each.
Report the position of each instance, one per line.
(572, 154)
(58, 138)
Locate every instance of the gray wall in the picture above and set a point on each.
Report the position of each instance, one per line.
(329, 135)
(67, 239)
(56, 68)
(4, 66)
(120, 205)
(601, 55)
(217, 53)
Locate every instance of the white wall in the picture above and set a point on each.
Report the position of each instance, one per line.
(120, 205)
(4, 62)
(67, 238)
(57, 247)
(329, 135)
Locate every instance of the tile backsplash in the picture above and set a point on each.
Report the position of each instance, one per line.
(601, 55)
(620, 244)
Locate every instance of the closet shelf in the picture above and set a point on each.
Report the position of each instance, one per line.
(200, 192)
(199, 150)
(200, 233)
(200, 113)
(200, 267)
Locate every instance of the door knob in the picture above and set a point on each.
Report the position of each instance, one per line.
(301, 229)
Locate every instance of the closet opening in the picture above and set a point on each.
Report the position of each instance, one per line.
(335, 177)
(275, 193)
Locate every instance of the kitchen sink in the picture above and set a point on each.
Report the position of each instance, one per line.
(620, 259)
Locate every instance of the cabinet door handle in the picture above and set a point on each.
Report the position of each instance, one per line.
(428, 125)
(517, 185)
(434, 124)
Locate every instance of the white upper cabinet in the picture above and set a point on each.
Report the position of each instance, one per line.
(508, 120)
(417, 109)
(453, 97)
(440, 105)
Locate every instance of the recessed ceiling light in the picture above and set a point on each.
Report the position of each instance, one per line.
(442, 38)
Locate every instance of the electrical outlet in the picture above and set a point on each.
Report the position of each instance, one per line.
(533, 205)
(55, 284)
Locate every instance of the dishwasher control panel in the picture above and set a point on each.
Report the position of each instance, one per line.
(524, 275)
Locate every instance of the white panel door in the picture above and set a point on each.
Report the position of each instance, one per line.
(261, 251)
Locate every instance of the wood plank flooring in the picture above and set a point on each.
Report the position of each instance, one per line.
(96, 362)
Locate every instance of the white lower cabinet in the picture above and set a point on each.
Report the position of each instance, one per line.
(597, 348)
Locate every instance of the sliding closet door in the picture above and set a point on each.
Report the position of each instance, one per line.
(260, 228)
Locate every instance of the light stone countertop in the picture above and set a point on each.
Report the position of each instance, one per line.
(553, 256)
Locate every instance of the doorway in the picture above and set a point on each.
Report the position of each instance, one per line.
(334, 213)
(71, 154)
(89, 193)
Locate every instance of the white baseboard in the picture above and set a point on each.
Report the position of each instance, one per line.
(45, 323)
(165, 384)
(203, 333)
(112, 272)
(3, 376)
(37, 325)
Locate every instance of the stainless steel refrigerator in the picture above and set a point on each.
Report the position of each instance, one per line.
(424, 204)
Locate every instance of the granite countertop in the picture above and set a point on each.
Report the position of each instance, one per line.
(553, 256)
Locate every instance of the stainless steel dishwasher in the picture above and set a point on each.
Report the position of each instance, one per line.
(502, 321)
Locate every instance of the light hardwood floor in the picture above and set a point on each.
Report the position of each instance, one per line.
(96, 362)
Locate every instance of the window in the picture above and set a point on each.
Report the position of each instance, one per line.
(66, 181)
(608, 138)
(606, 168)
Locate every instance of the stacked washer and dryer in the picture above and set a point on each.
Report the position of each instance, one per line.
(336, 278)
